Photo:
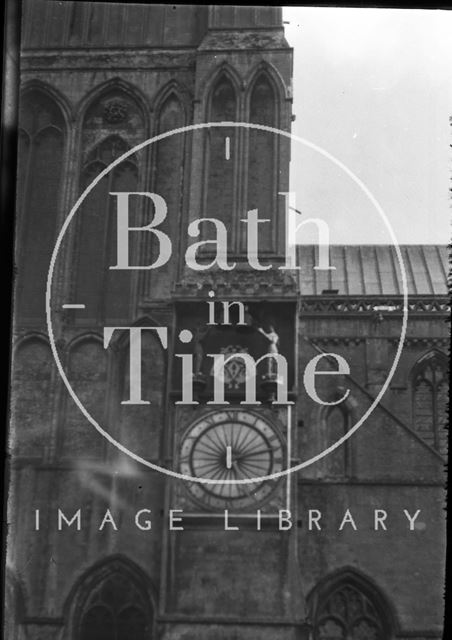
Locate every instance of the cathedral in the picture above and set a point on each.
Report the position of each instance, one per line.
(171, 364)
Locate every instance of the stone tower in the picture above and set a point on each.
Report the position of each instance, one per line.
(97, 493)
(98, 79)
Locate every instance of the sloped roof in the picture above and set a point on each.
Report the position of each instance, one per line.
(369, 270)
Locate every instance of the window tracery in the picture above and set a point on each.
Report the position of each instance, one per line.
(169, 183)
(116, 610)
(112, 125)
(42, 134)
(221, 159)
(430, 396)
(348, 613)
(105, 293)
(262, 185)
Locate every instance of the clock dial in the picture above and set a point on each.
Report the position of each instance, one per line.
(231, 445)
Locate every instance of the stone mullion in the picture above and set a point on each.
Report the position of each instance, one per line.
(241, 173)
(47, 22)
(435, 409)
(62, 284)
(276, 232)
(20, 215)
(138, 282)
(144, 289)
(59, 403)
(101, 311)
(244, 160)
(60, 399)
(111, 414)
(184, 193)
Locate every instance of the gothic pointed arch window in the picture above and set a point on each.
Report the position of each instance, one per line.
(262, 183)
(338, 463)
(105, 293)
(112, 125)
(350, 608)
(430, 397)
(41, 144)
(117, 607)
(221, 156)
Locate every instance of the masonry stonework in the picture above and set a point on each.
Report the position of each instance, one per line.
(97, 79)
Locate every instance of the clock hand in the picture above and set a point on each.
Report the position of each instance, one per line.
(240, 474)
(255, 453)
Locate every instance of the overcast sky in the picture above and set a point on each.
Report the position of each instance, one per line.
(372, 87)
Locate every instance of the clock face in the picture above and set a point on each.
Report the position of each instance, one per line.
(231, 445)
